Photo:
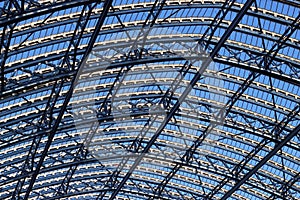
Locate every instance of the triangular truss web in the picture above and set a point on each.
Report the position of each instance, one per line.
(150, 99)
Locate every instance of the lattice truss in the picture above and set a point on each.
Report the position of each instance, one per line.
(177, 99)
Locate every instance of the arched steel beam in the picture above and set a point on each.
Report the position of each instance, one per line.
(115, 30)
(255, 150)
(18, 161)
(273, 52)
(99, 24)
(285, 187)
(46, 118)
(35, 105)
(255, 13)
(262, 162)
(107, 119)
(185, 93)
(27, 14)
(268, 71)
(83, 161)
(78, 179)
(40, 102)
(53, 168)
(158, 25)
(29, 117)
(27, 64)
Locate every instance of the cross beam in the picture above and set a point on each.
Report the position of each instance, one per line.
(98, 26)
(185, 93)
(293, 133)
(28, 14)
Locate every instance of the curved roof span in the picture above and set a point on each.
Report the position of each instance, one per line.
(150, 99)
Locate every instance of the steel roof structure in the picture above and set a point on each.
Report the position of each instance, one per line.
(150, 99)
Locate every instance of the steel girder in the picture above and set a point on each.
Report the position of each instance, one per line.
(38, 104)
(249, 80)
(46, 119)
(232, 48)
(36, 128)
(184, 94)
(25, 65)
(98, 26)
(29, 9)
(263, 161)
